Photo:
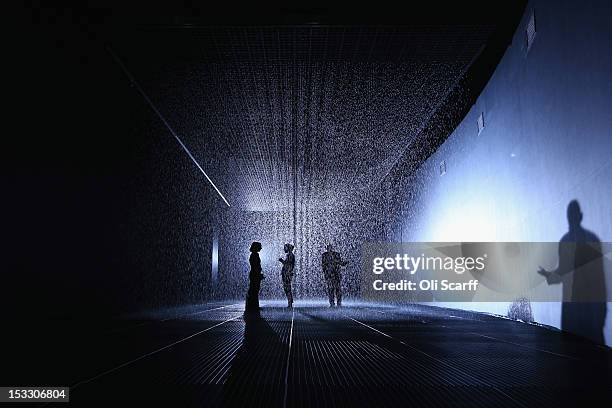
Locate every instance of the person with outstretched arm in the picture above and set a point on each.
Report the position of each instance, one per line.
(331, 262)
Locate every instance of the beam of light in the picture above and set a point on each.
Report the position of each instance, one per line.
(165, 122)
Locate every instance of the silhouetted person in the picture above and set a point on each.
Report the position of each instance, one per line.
(255, 278)
(287, 272)
(331, 262)
(583, 310)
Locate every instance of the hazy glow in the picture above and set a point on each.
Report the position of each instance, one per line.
(215, 261)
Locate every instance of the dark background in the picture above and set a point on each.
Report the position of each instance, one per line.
(99, 212)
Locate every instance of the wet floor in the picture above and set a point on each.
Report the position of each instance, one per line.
(360, 354)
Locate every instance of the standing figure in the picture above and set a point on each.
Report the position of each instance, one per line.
(255, 278)
(287, 272)
(331, 262)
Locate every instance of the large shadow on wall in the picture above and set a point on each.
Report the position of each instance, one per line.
(581, 272)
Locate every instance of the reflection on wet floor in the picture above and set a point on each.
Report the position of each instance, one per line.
(313, 355)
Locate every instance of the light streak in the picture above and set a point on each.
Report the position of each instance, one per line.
(165, 122)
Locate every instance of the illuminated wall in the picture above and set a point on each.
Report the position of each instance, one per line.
(547, 140)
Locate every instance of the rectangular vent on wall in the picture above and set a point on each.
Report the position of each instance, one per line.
(443, 167)
(480, 122)
(530, 31)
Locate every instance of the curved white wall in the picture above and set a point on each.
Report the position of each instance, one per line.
(547, 140)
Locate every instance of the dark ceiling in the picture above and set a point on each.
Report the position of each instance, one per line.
(335, 106)
(300, 103)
